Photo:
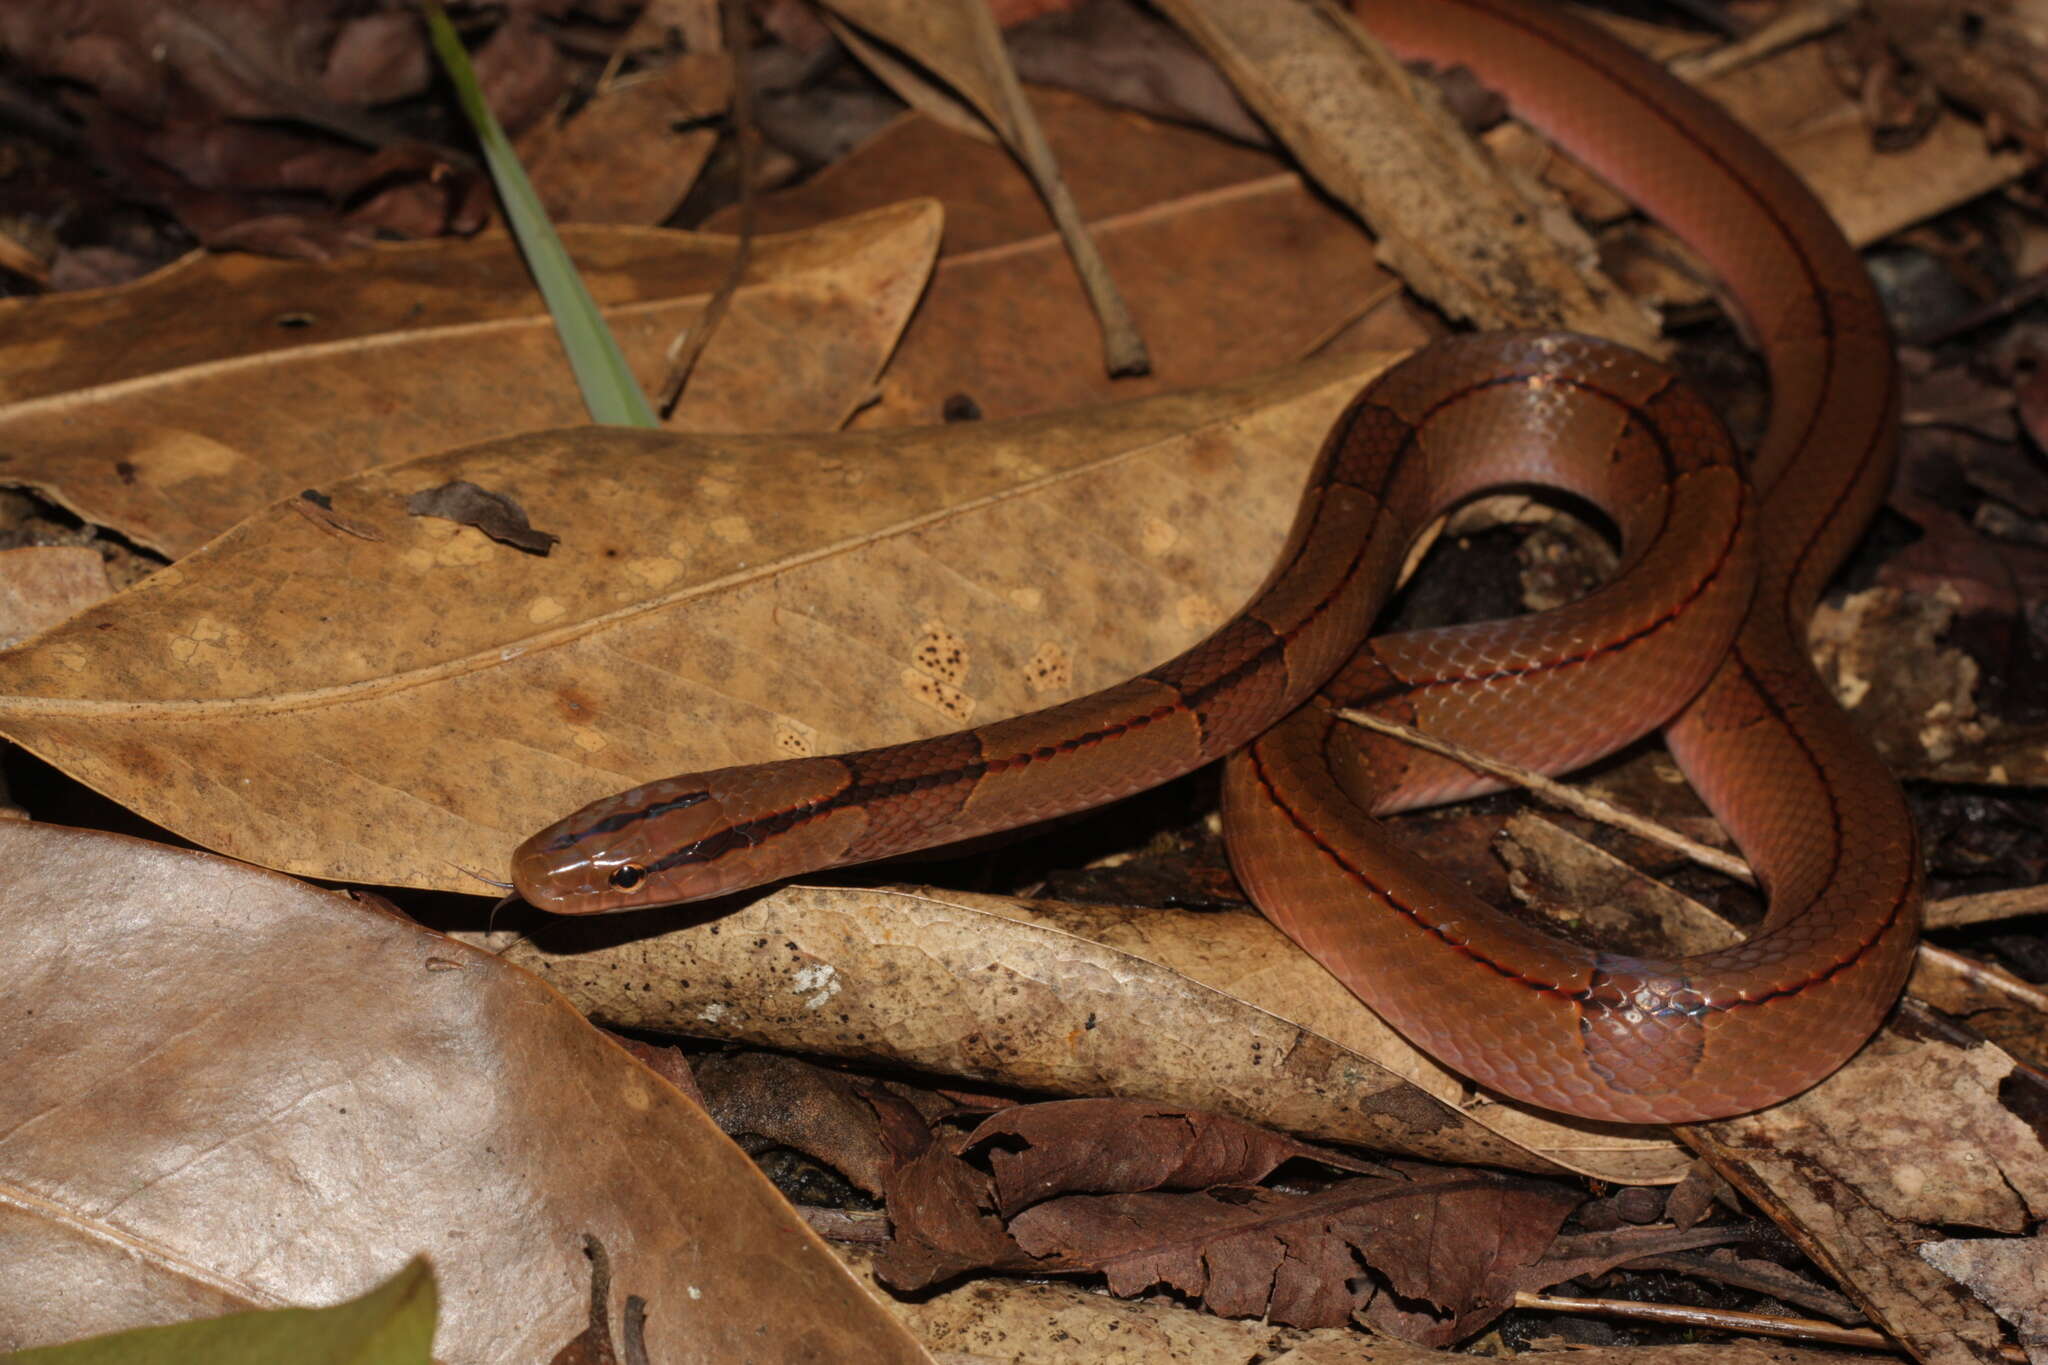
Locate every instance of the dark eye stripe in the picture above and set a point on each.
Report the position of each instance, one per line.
(612, 824)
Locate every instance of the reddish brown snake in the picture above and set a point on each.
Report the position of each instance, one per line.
(1822, 822)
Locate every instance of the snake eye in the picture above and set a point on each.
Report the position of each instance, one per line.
(627, 877)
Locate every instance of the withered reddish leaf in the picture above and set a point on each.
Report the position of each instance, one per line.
(940, 1208)
(814, 1110)
(1456, 1244)
(1114, 1146)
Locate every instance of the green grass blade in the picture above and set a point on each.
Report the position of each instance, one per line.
(609, 389)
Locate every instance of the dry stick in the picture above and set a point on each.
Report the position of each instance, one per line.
(1984, 977)
(1726, 1320)
(866, 1226)
(1941, 914)
(1793, 25)
(1123, 349)
(1592, 807)
(1992, 905)
(689, 347)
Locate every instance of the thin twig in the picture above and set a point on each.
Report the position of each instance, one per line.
(689, 347)
(1726, 1320)
(1992, 905)
(1985, 977)
(1941, 914)
(1558, 794)
(869, 1226)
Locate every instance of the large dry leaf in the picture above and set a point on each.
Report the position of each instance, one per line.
(2008, 1273)
(1213, 1012)
(227, 1089)
(173, 456)
(395, 700)
(1230, 262)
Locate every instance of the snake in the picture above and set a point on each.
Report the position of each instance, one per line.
(1700, 632)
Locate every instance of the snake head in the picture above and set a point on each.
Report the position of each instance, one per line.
(689, 838)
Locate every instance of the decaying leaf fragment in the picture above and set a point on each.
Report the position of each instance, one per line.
(496, 515)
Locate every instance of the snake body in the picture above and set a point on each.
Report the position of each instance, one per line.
(1701, 632)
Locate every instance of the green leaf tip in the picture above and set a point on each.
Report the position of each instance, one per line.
(393, 1324)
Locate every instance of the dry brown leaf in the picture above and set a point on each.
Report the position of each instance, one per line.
(1586, 889)
(392, 710)
(784, 1102)
(40, 585)
(909, 84)
(1121, 52)
(1459, 1243)
(216, 307)
(622, 159)
(1120, 1146)
(228, 1089)
(1231, 263)
(173, 456)
(1212, 1012)
(957, 40)
(942, 1214)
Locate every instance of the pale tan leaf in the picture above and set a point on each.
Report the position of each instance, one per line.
(992, 1320)
(2010, 1274)
(1798, 106)
(173, 456)
(40, 585)
(1216, 1012)
(227, 1089)
(406, 698)
(910, 85)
